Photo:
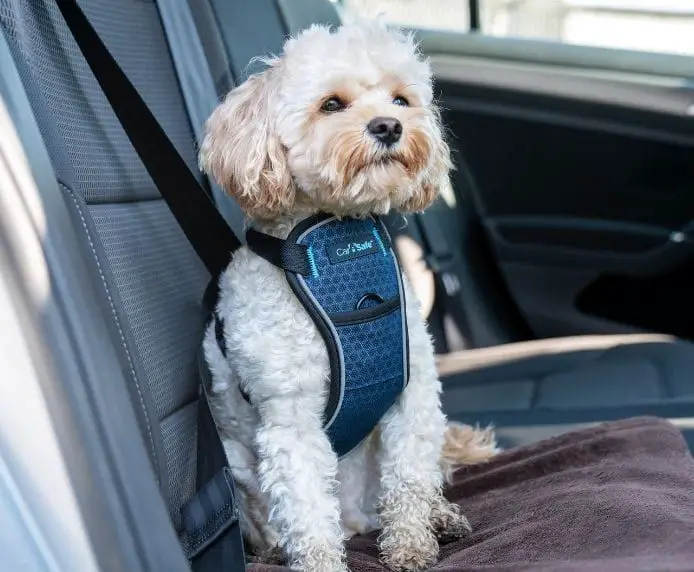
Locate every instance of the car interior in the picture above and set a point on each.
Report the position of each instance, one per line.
(557, 272)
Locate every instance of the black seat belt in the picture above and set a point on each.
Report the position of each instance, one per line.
(445, 265)
(438, 254)
(211, 536)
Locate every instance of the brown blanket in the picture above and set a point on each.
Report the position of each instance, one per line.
(614, 498)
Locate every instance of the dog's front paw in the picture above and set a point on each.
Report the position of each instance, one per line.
(448, 521)
(274, 555)
(407, 548)
(320, 559)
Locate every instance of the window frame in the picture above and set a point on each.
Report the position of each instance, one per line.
(474, 12)
(643, 66)
(658, 66)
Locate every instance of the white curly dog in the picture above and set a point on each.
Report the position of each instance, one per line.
(289, 142)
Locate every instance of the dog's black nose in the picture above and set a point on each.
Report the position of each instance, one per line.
(386, 129)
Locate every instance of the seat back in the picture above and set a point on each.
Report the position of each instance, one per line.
(148, 278)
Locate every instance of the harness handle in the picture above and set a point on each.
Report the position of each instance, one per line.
(369, 296)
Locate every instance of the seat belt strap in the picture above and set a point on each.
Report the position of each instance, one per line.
(211, 536)
(447, 267)
(203, 225)
(438, 255)
(197, 85)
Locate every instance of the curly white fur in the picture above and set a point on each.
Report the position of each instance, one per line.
(283, 158)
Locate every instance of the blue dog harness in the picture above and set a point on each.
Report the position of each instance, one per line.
(345, 273)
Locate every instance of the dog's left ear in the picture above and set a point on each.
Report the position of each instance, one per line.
(436, 176)
(242, 152)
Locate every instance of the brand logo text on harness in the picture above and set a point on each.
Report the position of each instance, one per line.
(354, 247)
(341, 251)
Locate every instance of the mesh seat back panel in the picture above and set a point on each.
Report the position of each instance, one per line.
(104, 162)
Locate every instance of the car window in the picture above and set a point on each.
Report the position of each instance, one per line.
(660, 26)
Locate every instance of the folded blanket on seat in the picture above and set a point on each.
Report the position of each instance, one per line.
(618, 497)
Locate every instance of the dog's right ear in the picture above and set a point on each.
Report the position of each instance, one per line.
(242, 152)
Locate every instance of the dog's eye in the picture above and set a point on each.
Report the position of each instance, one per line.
(332, 105)
(401, 101)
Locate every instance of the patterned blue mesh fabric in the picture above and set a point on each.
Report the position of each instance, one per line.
(338, 287)
(374, 369)
(350, 259)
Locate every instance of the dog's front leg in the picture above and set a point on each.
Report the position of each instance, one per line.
(411, 440)
(413, 511)
(298, 472)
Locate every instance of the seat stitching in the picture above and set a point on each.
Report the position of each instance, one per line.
(118, 325)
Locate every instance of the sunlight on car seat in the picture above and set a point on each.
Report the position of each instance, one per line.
(15, 174)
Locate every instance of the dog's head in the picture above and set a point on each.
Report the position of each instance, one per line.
(343, 122)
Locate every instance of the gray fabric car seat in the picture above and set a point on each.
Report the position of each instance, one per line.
(570, 381)
(149, 279)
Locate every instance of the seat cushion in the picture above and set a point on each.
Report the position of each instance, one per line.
(567, 380)
(618, 497)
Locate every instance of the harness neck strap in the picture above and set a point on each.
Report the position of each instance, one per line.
(280, 253)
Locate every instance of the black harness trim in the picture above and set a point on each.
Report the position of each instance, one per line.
(280, 253)
(318, 319)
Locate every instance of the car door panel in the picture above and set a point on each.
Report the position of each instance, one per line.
(584, 184)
